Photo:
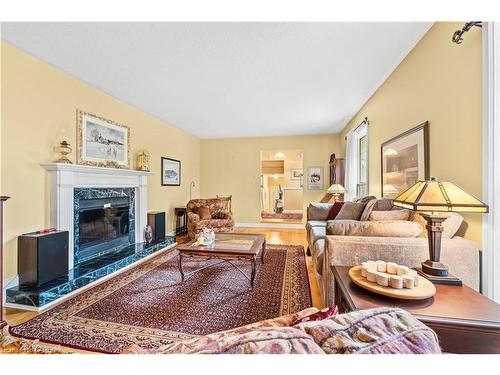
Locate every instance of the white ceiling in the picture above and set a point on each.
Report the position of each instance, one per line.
(218, 80)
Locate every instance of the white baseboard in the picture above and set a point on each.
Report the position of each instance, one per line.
(94, 283)
(270, 225)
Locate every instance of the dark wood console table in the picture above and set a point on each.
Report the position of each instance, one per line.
(464, 320)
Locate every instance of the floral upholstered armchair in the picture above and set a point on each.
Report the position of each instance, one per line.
(208, 213)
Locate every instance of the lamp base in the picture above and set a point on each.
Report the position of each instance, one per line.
(445, 280)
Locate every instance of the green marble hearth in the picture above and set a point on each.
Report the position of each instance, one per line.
(83, 274)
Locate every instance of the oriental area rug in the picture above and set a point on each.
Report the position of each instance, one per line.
(150, 306)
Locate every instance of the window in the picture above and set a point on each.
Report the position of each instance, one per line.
(356, 181)
(362, 184)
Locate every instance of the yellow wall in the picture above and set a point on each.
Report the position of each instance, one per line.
(38, 101)
(232, 166)
(441, 82)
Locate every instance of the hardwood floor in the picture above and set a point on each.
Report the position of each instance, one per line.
(273, 236)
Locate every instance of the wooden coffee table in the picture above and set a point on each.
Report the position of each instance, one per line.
(464, 320)
(227, 247)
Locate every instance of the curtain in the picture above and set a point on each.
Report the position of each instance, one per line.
(351, 167)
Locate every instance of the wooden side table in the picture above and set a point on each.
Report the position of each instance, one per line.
(464, 320)
(180, 220)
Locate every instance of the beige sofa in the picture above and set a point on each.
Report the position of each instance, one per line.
(459, 254)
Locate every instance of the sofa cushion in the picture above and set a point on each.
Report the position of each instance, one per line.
(334, 211)
(318, 254)
(318, 211)
(394, 228)
(389, 215)
(317, 233)
(351, 211)
(451, 225)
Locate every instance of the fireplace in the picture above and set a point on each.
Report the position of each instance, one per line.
(103, 221)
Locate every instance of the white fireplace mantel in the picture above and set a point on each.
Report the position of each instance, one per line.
(64, 178)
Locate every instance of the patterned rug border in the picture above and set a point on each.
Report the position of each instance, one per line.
(111, 285)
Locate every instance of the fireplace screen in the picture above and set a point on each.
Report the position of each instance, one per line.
(103, 225)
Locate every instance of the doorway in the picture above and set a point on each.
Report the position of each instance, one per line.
(281, 188)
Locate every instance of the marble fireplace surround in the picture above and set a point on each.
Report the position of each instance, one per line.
(64, 178)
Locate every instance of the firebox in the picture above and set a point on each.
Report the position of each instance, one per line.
(103, 223)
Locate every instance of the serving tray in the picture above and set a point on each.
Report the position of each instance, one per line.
(425, 288)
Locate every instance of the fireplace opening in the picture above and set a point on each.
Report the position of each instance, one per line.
(103, 225)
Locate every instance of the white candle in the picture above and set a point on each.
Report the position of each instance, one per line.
(411, 272)
(381, 266)
(392, 268)
(408, 281)
(396, 282)
(416, 280)
(402, 270)
(365, 268)
(382, 279)
(371, 275)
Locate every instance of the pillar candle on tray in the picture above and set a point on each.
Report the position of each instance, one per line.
(382, 279)
(396, 282)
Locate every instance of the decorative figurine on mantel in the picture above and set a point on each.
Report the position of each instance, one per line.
(142, 160)
(64, 148)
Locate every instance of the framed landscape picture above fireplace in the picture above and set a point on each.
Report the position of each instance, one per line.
(102, 142)
(170, 172)
(405, 160)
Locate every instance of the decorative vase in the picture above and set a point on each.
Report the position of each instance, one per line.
(208, 236)
(64, 148)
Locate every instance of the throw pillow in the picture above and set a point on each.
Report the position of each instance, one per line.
(383, 204)
(364, 199)
(204, 213)
(450, 226)
(389, 215)
(334, 211)
(350, 211)
(318, 211)
(320, 315)
(395, 228)
(368, 209)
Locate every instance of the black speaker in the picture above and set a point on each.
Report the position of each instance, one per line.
(157, 221)
(42, 257)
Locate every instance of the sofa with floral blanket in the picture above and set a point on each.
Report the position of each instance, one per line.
(209, 213)
(375, 331)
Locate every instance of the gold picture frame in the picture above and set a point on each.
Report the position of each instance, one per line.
(102, 142)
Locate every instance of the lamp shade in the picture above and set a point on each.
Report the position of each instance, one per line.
(336, 189)
(438, 196)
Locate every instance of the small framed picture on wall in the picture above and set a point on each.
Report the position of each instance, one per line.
(170, 172)
(315, 178)
(296, 173)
